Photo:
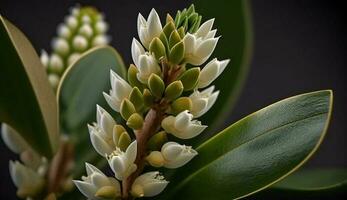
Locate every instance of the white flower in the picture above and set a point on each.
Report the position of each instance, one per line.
(200, 45)
(80, 43)
(203, 101)
(28, 182)
(182, 126)
(148, 185)
(101, 132)
(122, 163)
(176, 155)
(60, 45)
(149, 29)
(211, 71)
(96, 180)
(145, 62)
(13, 140)
(120, 90)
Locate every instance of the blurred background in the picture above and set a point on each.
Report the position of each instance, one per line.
(299, 46)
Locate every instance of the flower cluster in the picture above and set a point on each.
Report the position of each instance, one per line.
(161, 99)
(83, 29)
(27, 175)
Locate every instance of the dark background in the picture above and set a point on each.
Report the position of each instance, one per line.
(300, 46)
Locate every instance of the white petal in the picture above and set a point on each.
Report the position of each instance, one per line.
(208, 73)
(99, 144)
(92, 169)
(118, 167)
(12, 139)
(151, 183)
(87, 189)
(183, 120)
(154, 24)
(168, 124)
(99, 180)
(205, 50)
(222, 65)
(171, 150)
(131, 152)
(136, 51)
(141, 21)
(194, 130)
(189, 43)
(111, 102)
(211, 34)
(205, 28)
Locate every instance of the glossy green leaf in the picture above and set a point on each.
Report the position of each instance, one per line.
(27, 101)
(313, 180)
(233, 22)
(79, 91)
(256, 151)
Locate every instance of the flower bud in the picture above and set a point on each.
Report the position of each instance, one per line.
(157, 48)
(86, 30)
(168, 29)
(132, 77)
(150, 28)
(176, 155)
(181, 104)
(174, 90)
(61, 46)
(56, 64)
(44, 58)
(120, 90)
(211, 71)
(156, 85)
(28, 182)
(80, 43)
(202, 101)
(53, 79)
(127, 109)
(183, 126)
(135, 121)
(63, 31)
(174, 38)
(155, 159)
(136, 98)
(148, 185)
(97, 184)
(156, 141)
(101, 40)
(190, 78)
(12, 139)
(101, 26)
(122, 163)
(71, 22)
(124, 141)
(177, 53)
(148, 98)
(72, 58)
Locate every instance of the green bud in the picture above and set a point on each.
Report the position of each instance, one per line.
(191, 9)
(195, 26)
(156, 85)
(177, 53)
(117, 130)
(148, 98)
(132, 77)
(181, 32)
(127, 109)
(181, 104)
(124, 141)
(174, 38)
(106, 192)
(136, 98)
(156, 141)
(169, 18)
(190, 78)
(157, 48)
(192, 19)
(174, 90)
(188, 19)
(135, 121)
(155, 159)
(168, 28)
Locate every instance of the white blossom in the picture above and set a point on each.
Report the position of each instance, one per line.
(28, 182)
(96, 180)
(120, 90)
(122, 163)
(148, 185)
(145, 62)
(150, 28)
(101, 132)
(200, 45)
(202, 101)
(211, 71)
(183, 126)
(176, 155)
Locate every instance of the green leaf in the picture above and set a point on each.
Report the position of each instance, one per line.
(233, 21)
(256, 151)
(78, 93)
(27, 101)
(314, 180)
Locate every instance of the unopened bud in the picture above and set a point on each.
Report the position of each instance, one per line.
(106, 192)
(181, 104)
(148, 98)
(136, 98)
(177, 53)
(135, 121)
(157, 48)
(174, 38)
(132, 77)
(174, 90)
(168, 28)
(156, 85)
(190, 78)
(156, 141)
(127, 109)
(155, 159)
(124, 141)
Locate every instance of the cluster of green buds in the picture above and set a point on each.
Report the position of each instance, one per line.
(160, 100)
(83, 29)
(27, 175)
